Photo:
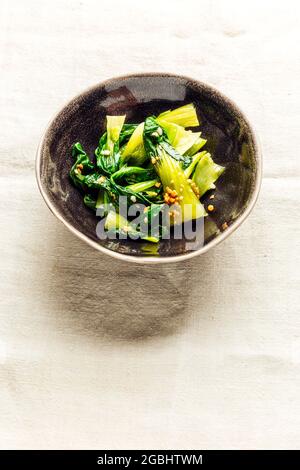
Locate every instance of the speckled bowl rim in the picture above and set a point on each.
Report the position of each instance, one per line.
(157, 259)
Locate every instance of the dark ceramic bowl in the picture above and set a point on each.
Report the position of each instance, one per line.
(231, 141)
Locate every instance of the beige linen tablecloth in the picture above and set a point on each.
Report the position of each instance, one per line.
(95, 353)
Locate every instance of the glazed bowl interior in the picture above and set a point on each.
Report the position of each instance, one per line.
(230, 140)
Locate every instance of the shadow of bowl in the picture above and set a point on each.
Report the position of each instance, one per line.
(92, 295)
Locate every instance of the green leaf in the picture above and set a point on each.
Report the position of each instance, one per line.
(196, 146)
(126, 133)
(206, 174)
(124, 173)
(173, 178)
(103, 201)
(133, 174)
(134, 152)
(154, 217)
(108, 150)
(179, 138)
(142, 186)
(82, 166)
(116, 223)
(194, 160)
(185, 116)
(167, 164)
(114, 127)
(154, 135)
(89, 201)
